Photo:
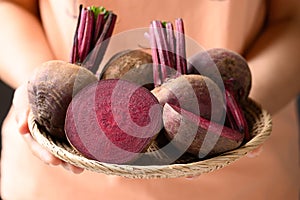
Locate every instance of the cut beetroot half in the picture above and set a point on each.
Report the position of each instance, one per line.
(197, 135)
(113, 121)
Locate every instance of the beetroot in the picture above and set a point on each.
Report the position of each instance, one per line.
(189, 93)
(113, 121)
(50, 91)
(194, 93)
(231, 66)
(197, 135)
(132, 65)
(53, 85)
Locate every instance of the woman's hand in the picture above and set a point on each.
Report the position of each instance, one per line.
(21, 110)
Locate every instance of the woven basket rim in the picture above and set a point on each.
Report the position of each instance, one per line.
(62, 151)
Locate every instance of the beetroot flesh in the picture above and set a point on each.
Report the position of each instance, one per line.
(113, 121)
(189, 133)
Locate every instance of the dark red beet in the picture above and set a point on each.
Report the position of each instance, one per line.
(50, 90)
(194, 93)
(132, 65)
(231, 73)
(113, 121)
(196, 135)
(231, 66)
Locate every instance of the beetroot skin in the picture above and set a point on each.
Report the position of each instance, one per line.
(113, 121)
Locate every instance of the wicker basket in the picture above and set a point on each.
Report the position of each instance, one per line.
(259, 121)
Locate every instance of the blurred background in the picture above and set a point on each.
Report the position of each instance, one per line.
(6, 94)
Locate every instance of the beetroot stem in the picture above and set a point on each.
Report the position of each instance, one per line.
(161, 42)
(180, 47)
(98, 27)
(171, 43)
(170, 50)
(97, 54)
(85, 46)
(74, 53)
(81, 27)
(235, 115)
(94, 26)
(155, 59)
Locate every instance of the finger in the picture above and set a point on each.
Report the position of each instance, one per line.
(22, 122)
(256, 152)
(47, 157)
(40, 152)
(21, 108)
(192, 177)
(72, 168)
(76, 170)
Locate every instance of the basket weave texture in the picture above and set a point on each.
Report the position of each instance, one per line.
(259, 122)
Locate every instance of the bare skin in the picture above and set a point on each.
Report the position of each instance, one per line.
(271, 51)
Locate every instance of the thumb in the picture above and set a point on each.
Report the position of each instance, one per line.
(21, 108)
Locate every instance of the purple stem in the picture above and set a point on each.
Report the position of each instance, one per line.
(161, 39)
(98, 27)
(155, 59)
(74, 53)
(85, 46)
(180, 47)
(235, 115)
(109, 26)
(171, 43)
(97, 54)
(82, 25)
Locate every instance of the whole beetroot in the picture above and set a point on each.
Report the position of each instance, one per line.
(50, 90)
(231, 72)
(195, 93)
(231, 66)
(132, 65)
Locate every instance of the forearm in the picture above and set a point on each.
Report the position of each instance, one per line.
(275, 64)
(23, 44)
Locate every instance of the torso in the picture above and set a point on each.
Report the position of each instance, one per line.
(230, 24)
(211, 23)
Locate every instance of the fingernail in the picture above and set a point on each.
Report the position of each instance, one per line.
(22, 125)
(20, 118)
(66, 166)
(191, 177)
(45, 157)
(255, 152)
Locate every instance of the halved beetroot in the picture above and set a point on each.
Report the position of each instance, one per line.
(196, 135)
(113, 121)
